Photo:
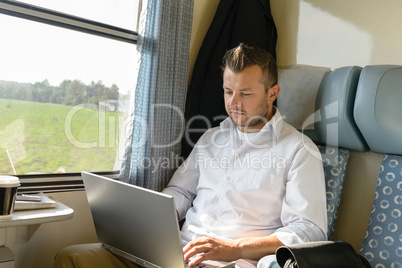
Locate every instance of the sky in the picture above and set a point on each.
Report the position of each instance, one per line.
(33, 52)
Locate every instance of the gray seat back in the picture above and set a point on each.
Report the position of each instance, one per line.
(378, 114)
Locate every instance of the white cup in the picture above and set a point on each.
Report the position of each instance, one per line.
(8, 191)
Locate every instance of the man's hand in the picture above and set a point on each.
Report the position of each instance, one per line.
(208, 248)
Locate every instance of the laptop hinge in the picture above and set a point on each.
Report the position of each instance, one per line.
(130, 257)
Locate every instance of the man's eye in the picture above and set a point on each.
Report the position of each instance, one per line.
(246, 94)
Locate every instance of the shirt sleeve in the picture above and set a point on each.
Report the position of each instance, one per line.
(304, 214)
(183, 184)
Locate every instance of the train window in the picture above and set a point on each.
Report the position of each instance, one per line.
(64, 93)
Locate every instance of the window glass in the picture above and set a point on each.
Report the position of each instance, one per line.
(120, 13)
(62, 98)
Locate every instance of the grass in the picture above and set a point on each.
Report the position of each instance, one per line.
(40, 140)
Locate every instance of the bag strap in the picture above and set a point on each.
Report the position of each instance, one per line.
(290, 263)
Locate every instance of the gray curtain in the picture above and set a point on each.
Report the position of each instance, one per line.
(153, 140)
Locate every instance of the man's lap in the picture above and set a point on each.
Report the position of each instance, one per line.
(93, 255)
(90, 255)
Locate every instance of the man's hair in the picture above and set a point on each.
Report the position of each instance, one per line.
(239, 58)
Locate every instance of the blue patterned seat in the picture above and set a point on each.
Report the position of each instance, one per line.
(377, 112)
(334, 162)
(382, 246)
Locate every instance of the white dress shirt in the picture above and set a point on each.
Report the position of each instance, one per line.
(235, 185)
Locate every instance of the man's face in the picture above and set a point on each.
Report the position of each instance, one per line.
(246, 101)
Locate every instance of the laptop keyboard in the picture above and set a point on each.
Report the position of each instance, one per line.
(183, 243)
(196, 266)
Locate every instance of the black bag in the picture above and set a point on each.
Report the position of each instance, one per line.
(328, 254)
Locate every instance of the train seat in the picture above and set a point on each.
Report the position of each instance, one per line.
(378, 114)
(329, 123)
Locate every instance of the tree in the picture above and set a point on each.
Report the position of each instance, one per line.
(68, 92)
(75, 93)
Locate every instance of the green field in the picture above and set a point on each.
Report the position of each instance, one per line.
(37, 139)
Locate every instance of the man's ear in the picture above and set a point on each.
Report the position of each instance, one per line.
(273, 93)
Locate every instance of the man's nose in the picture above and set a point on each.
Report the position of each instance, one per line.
(235, 101)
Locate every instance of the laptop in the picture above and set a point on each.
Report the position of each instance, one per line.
(136, 223)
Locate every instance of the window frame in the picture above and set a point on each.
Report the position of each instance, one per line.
(63, 182)
(55, 18)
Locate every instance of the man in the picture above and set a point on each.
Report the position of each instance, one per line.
(252, 184)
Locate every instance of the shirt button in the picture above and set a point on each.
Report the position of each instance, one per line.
(237, 156)
(228, 178)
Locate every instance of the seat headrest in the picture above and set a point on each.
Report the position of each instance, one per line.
(334, 123)
(299, 86)
(319, 102)
(378, 109)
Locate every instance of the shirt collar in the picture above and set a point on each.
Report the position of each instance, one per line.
(276, 123)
